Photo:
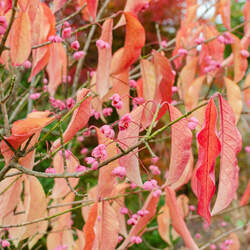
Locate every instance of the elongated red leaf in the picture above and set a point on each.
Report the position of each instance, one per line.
(133, 6)
(132, 47)
(88, 229)
(231, 143)
(246, 196)
(137, 230)
(128, 138)
(104, 60)
(177, 220)
(79, 118)
(181, 146)
(20, 39)
(209, 149)
(92, 7)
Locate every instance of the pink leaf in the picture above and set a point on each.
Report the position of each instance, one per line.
(56, 67)
(181, 146)
(128, 138)
(230, 146)
(104, 60)
(79, 119)
(106, 181)
(150, 205)
(58, 4)
(108, 227)
(209, 149)
(177, 220)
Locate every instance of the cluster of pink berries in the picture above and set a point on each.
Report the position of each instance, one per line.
(108, 131)
(226, 38)
(211, 65)
(119, 171)
(4, 243)
(99, 152)
(124, 122)
(102, 44)
(116, 101)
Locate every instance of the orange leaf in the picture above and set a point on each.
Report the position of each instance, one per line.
(58, 4)
(240, 62)
(234, 97)
(177, 220)
(225, 12)
(79, 118)
(132, 47)
(247, 90)
(22, 130)
(106, 181)
(133, 6)
(246, 196)
(20, 39)
(92, 7)
(88, 229)
(56, 67)
(104, 60)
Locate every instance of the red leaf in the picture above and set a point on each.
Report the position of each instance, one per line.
(92, 7)
(246, 196)
(56, 67)
(231, 143)
(104, 60)
(88, 229)
(79, 118)
(177, 220)
(132, 47)
(20, 39)
(150, 205)
(209, 149)
(128, 138)
(181, 146)
(58, 4)
(133, 6)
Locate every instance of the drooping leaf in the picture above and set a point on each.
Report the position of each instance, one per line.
(177, 219)
(209, 148)
(231, 143)
(132, 47)
(56, 67)
(246, 196)
(92, 7)
(61, 233)
(133, 6)
(61, 187)
(20, 39)
(239, 62)
(247, 90)
(35, 206)
(137, 230)
(225, 12)
(104, 60)
(88, 229)
(128, 138)
(234, 97)
(79, 118)
(181, 146)
(107, 181)
(108, 227)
